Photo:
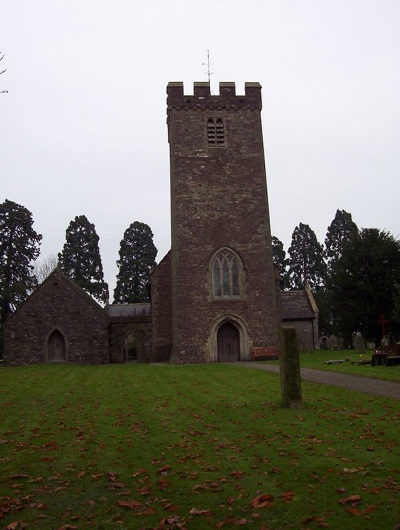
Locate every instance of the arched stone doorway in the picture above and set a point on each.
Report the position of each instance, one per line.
(228, 343)
(228, 335)
(130, 348)
(56, 347)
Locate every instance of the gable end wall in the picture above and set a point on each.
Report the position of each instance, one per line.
(56, 305)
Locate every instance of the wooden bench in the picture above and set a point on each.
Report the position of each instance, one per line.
(264, 353)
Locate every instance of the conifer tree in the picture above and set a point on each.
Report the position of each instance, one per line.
(363, 284)
(136, 260)
(19, 247)
(80, 258)
(339, 233)
(306, 262)
(279, 257)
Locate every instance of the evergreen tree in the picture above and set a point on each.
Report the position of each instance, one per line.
(339, 233)
(80, 258)
(19, 247)
(136, 260)
(363, 283)
(306, 262)
(279, 257)
(396, 306)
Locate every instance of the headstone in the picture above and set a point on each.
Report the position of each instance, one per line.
(371, 346)
(333, 343)
(384, 342)
(323, 344)
(358, 343)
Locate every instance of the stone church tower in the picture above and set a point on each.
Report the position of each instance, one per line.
(214, 294)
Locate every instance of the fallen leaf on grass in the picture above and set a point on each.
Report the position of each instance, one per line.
(139, 472)
(240, 522)
(164, 470)
(287, 495)
(313, 519)
(39, 506)
(16, 525)
(172, 522)
(195, 511)
(237, 474)
(144, 491)
(209, 486)
(350, 500)
(163, 484)
(132, 505)
(116, 485)
(261, 501)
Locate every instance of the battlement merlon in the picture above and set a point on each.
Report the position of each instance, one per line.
(203, 99)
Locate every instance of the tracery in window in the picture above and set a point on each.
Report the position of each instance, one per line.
(226, 275)
(215, 132)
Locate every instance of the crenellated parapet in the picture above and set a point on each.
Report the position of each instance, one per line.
(202, 98)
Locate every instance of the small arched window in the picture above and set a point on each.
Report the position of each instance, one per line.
(227, 273)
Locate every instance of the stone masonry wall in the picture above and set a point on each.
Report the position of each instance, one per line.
(218, 199)
(57, 305)
(139, 328)
(305, 334)
(161, 310)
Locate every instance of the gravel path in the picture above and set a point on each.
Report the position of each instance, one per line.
(377, 387)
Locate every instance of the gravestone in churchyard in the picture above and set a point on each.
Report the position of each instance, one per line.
(333, 343)
(358, 343)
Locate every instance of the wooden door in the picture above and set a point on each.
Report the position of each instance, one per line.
(228, 343)
(56, 347)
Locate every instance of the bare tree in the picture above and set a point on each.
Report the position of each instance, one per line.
(42, 269)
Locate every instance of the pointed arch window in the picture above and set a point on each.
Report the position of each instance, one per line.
(216, 132)
(227, 275)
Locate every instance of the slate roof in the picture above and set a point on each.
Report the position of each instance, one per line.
(129, 310)
(298, 305)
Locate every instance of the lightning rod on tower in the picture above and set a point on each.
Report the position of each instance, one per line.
(208, 64)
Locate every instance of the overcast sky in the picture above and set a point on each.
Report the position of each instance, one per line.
(83, 126)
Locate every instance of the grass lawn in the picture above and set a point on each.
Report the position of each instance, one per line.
(196, 447)
(318, 360)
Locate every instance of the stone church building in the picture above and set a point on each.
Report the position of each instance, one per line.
(216, 294)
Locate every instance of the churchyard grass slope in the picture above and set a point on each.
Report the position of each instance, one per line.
(318, 360)
(196, 447)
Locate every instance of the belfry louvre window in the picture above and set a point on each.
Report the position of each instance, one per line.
(215, 132)
(226, 272)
